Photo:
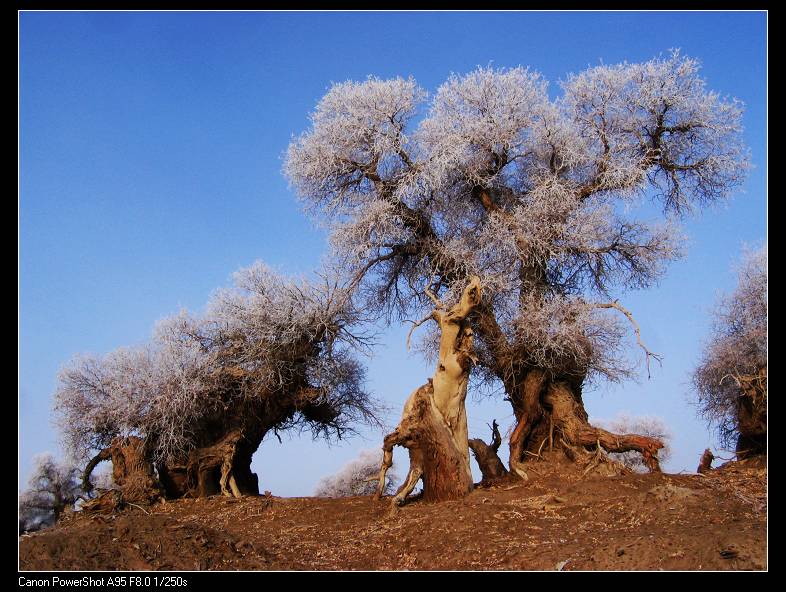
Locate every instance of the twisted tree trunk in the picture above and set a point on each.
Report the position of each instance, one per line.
(433, 426)
(550, 415)
(133, 475)
(221, 468)
(220, 462)
(491, 466)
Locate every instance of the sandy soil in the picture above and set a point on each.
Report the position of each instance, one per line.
(559, 519)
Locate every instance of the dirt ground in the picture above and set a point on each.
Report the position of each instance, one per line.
(558, 520)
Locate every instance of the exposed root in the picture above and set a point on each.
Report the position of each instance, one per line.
(572, 424)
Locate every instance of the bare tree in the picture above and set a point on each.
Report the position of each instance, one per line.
(534, 196)
(731, 379)
(51, 489)
(190, 408)
(357, 477)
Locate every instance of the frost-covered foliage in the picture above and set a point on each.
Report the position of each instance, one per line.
(643, 425)
(51, 489)
(536, 196)
(355, 477)
(734, 362)
(270, 345)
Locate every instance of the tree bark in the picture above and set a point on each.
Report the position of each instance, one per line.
(434, 422)
(433, 454)
(752, 415)
(224, 467)
(705, 464)
(550, 413)
(221, 464)
(133, 475)
(491, 466)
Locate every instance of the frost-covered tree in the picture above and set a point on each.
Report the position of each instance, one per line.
(646, 425)
(537, 197)
(51, 489)
(357, 477)
(731, 378)
(193, 405)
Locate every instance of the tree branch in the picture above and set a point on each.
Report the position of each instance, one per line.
(617, 306)
(416, 324)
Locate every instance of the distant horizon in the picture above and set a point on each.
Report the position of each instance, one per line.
(150, 151)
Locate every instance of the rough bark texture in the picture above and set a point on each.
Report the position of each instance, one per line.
(491, 466)
(705, 464)
(433, 454)
(132, 470)
(551, 414)
(752, 415)
(434, 422)
(133, 475)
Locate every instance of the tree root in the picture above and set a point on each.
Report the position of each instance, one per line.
(571, 420)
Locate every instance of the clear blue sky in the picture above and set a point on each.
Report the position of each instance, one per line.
(150, 155)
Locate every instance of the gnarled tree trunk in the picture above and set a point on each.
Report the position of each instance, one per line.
(221, 468)
(133, 475)
(491, 466)
(550, 415)
(705, 463)
(433, 426)
(752, 415)
(220, 464)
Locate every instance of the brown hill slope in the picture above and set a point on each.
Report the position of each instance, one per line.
(560, 519)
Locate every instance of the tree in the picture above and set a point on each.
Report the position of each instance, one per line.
(491, 466)
(357, 477)
(189, 409)
(646, 425)
(535, 196)
(730, 380)
(51, 489)
(433, 426)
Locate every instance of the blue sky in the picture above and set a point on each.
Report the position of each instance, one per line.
(150, 155)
